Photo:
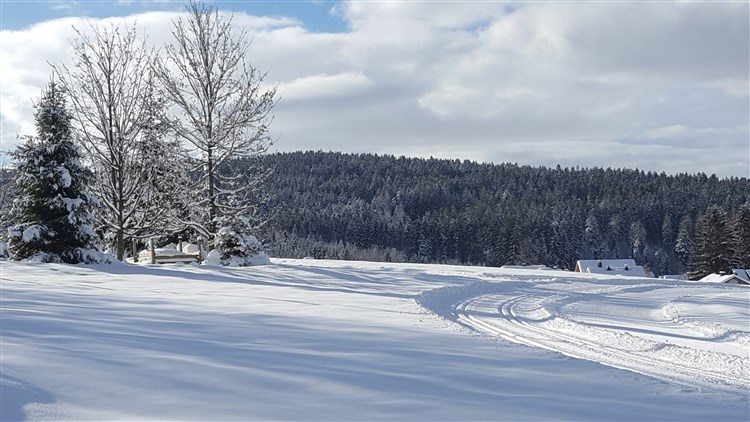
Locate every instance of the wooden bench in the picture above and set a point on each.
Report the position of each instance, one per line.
(174, 259)
(167, 255)
(167, 258)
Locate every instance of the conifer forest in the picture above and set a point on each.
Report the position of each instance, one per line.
(384, 208)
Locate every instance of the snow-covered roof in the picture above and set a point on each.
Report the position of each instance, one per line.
(605, 262)
(724, 278)
(611, 267)
(742, 273)
(527, 267)
(673, 277)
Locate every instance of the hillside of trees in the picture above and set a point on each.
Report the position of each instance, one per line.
(362, 206)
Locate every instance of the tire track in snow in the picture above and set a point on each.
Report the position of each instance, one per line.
(707, 329)
(535, 315)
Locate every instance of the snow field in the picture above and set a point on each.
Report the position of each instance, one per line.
(639, 327)
(326, 340)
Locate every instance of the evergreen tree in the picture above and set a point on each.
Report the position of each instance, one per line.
(558, 256)
(51, 216)
(659, 263)
(495, 241)
(592, 238)
(638, 241)
(616, 236)
(741, 237)
(512, 251)
(232, 241)
(424, 250)
(667, 232)
(713, 251)
(684, 243)
(7, 193)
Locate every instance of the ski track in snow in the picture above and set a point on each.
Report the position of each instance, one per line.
(341, 340)
(620, 323)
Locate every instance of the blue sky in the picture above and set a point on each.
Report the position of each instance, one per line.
(660, 86)
(18, 14)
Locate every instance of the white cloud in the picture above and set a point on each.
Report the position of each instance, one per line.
(722, 141)
(683, 131)
(315, 87)
(64, 6)
(651, 85)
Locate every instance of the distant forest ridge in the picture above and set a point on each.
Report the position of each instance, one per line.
(380, 207)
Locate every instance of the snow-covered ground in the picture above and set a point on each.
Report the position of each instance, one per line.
(327, 340)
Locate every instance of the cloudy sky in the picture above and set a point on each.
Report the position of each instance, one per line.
(659, 86)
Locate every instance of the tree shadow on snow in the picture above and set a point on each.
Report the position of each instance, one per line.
(15, 394)
(244, 275)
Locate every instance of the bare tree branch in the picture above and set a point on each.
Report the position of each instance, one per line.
(111, 87)
(225, 113)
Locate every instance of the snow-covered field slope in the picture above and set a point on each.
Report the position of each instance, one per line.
(326, 340)
(696, 336)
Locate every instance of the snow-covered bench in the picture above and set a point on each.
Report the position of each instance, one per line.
(170, 255)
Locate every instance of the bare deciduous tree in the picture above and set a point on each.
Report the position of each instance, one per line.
(225, 110)
(111, 90)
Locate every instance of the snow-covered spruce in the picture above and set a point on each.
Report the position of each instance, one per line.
(236, 249)
(51, 215)
(233, 245)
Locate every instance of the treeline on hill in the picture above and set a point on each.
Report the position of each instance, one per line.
(383, 208)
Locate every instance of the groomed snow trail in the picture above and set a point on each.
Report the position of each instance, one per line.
(694, 335)
(338, 340)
